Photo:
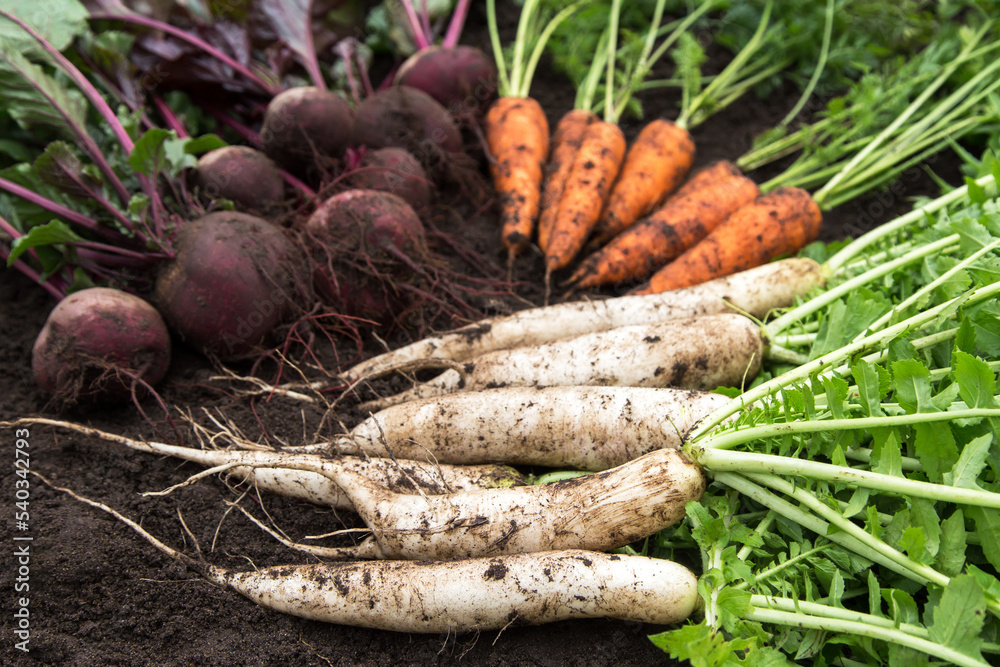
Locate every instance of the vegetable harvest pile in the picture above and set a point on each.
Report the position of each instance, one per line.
(769, 451)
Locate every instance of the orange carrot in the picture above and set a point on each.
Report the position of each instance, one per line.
(656, 164)
(774, 224)
(565, 145)
(687, 217)
(517, 133)
(594, 171)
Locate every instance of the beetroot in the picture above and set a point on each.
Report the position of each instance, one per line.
(303, 126)
(368, 241)
(234, 279)
(407, 118)
(396, 171)
(96, 342)
(463, 79)
(243, 175)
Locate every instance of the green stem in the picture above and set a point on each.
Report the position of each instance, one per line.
(807, 370)
(536, 54)
(750, 464)
(820, 64)
(900, 120)
(894, 635)
(849, 528)
(811, 522)
(779, 324)
(848, 252)
(914, 298)
(731, 70)
(780, 567)
(503, 85)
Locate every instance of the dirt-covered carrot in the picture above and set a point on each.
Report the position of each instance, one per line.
(587, 428)
(692, 353)
(517, 133)
(784, 219)
(469, 595)
(774, 224)
(516, 128)
(755, 292)
(656, 164)
(701, 204)
(565, 143)
(595, 169)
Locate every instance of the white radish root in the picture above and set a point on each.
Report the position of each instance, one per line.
(310, 479)
(598, 512)
(692, 353)
(755, 292)
(477, 594)
(459, 596)
(588, 428)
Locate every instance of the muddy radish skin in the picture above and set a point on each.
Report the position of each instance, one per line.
(399, 475)
(311, 477)
(756, 292)
(474, 594)
(693, 353)
(588, 428)
(600, 512)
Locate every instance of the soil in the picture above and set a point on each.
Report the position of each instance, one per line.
(100, 595)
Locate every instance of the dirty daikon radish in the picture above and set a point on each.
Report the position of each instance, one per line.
(310, 478)
(469, 595)
(600, 511)
(588, 428)
(691, 353)
(756, 292)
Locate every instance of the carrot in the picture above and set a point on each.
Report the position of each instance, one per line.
(516, 128)
(774, 224)
(656, 164)
(517, 133)
(565, 145)
(688, 216)
(594, 171)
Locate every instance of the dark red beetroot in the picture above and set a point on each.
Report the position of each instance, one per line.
(304, 126)
(463, 79)
(396, 171)
(234, 279)
(369, 243)
(95, 342)
(406, 118)
(243, 175)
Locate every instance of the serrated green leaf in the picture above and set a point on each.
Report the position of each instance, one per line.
(987, 523)
(958, 617)
(914, 544)
(970, 464)
(870, 383)
(912, 387)
(951, 554)
(976, 381)
(701, 645)
(924, 516)
(55, 232)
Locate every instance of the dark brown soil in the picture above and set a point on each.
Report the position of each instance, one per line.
(100, 595)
